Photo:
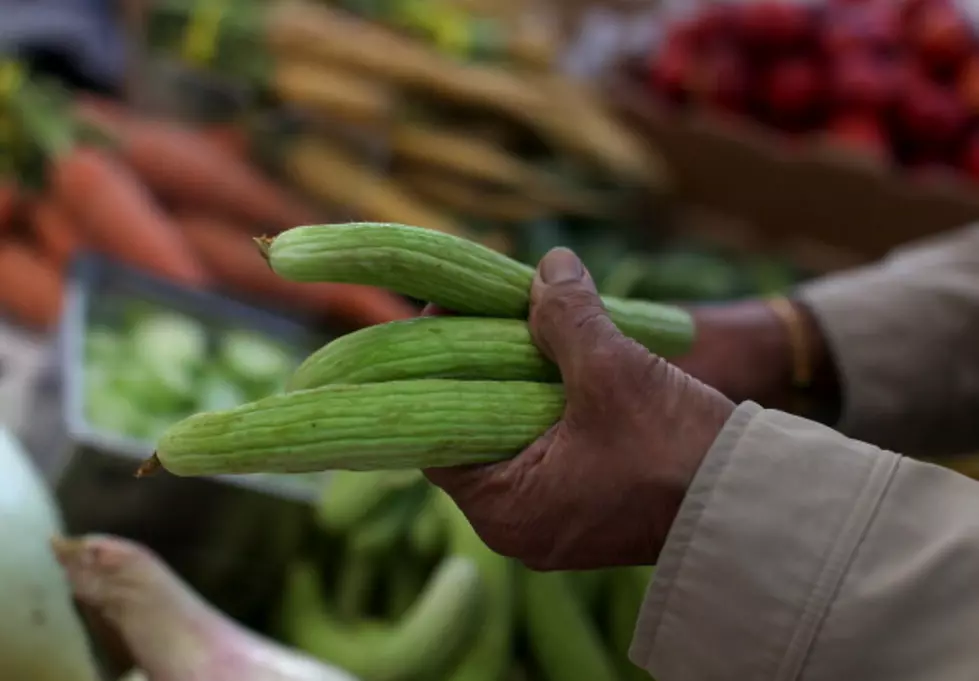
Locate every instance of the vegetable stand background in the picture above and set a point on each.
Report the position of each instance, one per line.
(542, 185)
(75, 39)
(22, 357)
(78, 41)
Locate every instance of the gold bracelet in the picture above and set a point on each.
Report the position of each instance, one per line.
(799, 344)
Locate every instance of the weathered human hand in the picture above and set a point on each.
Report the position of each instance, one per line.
(603, 486)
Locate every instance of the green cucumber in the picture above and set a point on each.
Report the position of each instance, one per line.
(563, 638)
(591, 587)
(424, 644)
(429, 347)
(355, 581)
(427, 534)
(383, 530)
(399, 424)
(351, 496)
(405, 582)
(491, 656)
(627, 590)
(452, 272)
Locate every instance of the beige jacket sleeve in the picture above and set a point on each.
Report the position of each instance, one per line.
(905, 337)
(802, 554)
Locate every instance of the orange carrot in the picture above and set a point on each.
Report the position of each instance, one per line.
(186, 167)
(56, 234)
(236, 263)
(119, 217)
(190, 168)
(112, 116)
(230, 138)
(31, 289)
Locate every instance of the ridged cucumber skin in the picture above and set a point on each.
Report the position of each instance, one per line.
(464, 348)
(466, 277)
(563, 638)
(394, 425)
(491, 655)
(455, 273)
(426, 642)
(665, 330)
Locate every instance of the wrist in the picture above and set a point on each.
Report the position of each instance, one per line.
(824, 392)
(808, 372)
(743, 350)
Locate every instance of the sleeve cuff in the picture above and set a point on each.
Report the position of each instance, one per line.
(902, 333)
(760, 544)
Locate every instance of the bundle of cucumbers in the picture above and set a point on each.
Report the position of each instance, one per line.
(409, 592)
(418, 393)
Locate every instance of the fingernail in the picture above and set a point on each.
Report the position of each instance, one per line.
(561, 265)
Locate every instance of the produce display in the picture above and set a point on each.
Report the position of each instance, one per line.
(179, 199)
(397, 586)
(450, 115)
(409, 592)
(896, 79)
(407, 423)
(394, 585)
(151, 366)
(177, 202)
(471, 147)
(474, 30)
(167, 630)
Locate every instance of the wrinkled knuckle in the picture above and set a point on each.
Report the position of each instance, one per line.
(582, 300)
(607, 362)
(656, 371)
(635, 379)
(592, 319)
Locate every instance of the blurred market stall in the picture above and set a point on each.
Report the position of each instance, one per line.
(689, 152)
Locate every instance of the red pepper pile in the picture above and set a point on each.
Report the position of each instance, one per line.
(897, 78)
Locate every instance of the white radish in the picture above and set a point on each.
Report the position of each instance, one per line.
(171, 632)
(42, 637)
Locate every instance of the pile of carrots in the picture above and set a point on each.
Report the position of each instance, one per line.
(179, 202)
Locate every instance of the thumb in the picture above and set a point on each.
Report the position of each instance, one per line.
(567, 318)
